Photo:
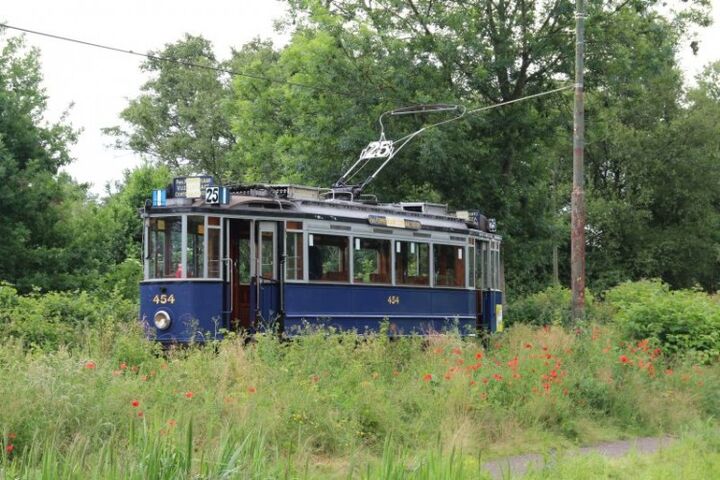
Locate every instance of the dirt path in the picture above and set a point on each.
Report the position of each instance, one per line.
(512, 467)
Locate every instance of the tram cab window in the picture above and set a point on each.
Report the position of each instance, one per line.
(328, 258)
(213, 246)
(371, 260)
(412, 263)
(449, 262)
(195, 247)
(165, 247)
(294, 252)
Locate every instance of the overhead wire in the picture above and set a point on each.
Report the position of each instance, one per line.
(150, 56)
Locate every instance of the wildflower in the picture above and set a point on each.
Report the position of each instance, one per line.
(497, 377)
(459, 361)
(9, 449)
(485, 380)
(516, 375)
(513, 363)
(479, 355)
(554, 374)
(251, 390)
(668, 371)
(427, 377)
(472, 382)
(123, 366)
(140, 413)
(456, 351)
(144, 378)
(438, 351)
(135, 403)
(565, 392)
(448, 376)
(546, 386)
(656, 353)
(90, 365)
(189, 394)
(314, 378)
(528, 346)
(624, 359)
(171, 422)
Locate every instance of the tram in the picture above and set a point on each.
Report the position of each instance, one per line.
(251, 258)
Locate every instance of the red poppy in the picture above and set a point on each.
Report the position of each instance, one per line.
(554, 374)
(252, 390)
(171, 422)
(513, 363)
(10, 448)
(90, 365)
(479, 355)
(624, 359)
(188, 394)
(123, 366)
(456, 351)
(427, 377)
(528, 346)
(140, 413)
(135, 403)
(472, 382)
(497, 377)
(668, 371)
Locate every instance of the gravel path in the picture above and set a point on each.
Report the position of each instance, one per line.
(516, 466)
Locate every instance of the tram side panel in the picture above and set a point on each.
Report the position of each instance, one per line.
(365, 308)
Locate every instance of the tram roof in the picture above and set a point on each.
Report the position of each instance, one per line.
(309, 202)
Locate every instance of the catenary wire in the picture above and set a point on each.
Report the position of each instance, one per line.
(175, 61)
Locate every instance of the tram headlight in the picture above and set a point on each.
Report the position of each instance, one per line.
(162, 320)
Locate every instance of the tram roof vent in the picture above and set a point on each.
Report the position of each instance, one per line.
(422, 207)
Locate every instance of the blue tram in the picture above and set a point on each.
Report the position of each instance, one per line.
(281, 257)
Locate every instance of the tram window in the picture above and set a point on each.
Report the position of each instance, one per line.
(371, 260)
(328, 258)
(213, 252)
(471, 267)
(294, 259)
(165, 247)
(480, 265)
(412, 263)
(449, 265)
(268, 256)
(195, 247)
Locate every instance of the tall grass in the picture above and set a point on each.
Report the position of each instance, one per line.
(332, 405)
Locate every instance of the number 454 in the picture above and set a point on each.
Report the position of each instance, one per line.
(163, 299)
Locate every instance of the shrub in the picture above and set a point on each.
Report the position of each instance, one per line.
(58, 318)
(682, 321)
(551, 306)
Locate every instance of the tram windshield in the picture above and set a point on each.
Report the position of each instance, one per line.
(165, 247)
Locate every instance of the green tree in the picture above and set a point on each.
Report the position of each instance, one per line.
(178, 120)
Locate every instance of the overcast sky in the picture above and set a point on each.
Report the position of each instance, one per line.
(99, 82)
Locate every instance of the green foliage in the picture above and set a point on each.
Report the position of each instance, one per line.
(364, 405)
(179, 118)
(682, 321)
(58, 318)
(552, 306)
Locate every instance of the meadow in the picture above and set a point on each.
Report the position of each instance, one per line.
(331, 405)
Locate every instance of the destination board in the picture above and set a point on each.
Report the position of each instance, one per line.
(192, 187)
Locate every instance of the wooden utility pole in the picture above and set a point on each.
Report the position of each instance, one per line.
(577, 240)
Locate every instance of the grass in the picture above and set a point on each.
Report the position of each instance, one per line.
(338, 406)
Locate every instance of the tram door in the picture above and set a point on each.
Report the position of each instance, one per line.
(239, 278)
(266, 288)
